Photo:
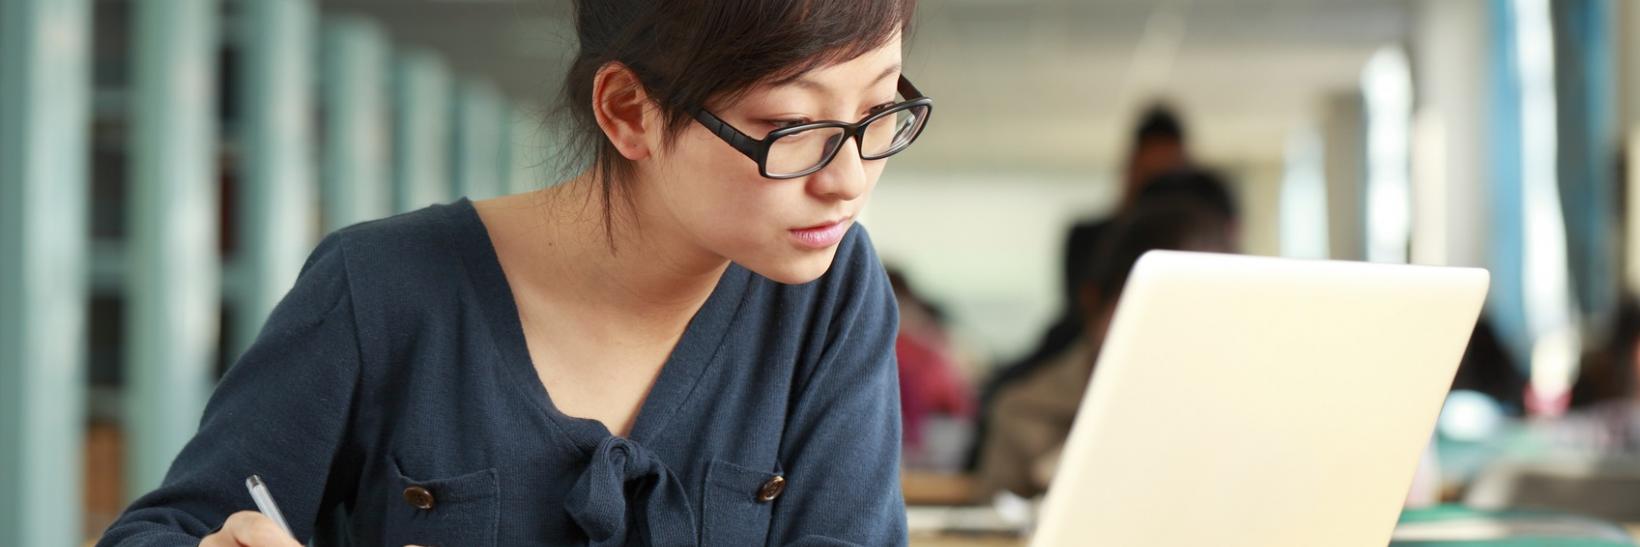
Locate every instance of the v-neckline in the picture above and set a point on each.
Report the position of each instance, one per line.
(679, 375)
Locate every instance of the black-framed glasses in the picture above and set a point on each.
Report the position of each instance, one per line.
(801, 150)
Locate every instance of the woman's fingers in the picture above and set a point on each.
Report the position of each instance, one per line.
(249, 529)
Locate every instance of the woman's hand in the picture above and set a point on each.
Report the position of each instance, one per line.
(249, 529)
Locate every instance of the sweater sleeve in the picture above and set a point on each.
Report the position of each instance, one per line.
(841, 449)
(280, 412)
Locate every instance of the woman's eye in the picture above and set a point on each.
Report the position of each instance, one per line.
(781, 124)
(880, 108)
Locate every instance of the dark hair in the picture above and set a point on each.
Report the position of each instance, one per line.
(689, 55)
(1202, 185)
(1158, 122)
(1206, 186)
(1179, 223)
(1608, 371)
(1488, 368)
(1103, 257)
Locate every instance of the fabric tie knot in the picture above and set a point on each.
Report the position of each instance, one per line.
(622, 473)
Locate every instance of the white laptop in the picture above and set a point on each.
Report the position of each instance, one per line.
(1244, 401)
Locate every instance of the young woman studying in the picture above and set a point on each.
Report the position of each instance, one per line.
(689, 343)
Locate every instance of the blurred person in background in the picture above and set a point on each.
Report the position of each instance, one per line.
(1159, 146)
(1488, 392)
(1064, 338)
(1605, 414)
(1031, 417)
(1487, 368)
(936, 403)
(1604, 418)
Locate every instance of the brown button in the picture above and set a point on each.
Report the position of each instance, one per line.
(771, 489)
(419, 497)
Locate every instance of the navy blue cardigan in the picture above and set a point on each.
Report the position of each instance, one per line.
(390, 400)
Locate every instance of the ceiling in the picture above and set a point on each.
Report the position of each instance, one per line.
(1041, 85)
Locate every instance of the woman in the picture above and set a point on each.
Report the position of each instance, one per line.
(688, 343)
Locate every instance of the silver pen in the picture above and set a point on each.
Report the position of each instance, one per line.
(264, 503)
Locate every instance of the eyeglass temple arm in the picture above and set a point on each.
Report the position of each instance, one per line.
(907, 90)
(740, 141)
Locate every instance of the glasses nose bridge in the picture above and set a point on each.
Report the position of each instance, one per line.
(851, 132)
(857, 133)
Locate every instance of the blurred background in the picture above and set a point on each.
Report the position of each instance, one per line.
(165, 166)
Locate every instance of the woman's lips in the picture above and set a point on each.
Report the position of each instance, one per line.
(821, 236)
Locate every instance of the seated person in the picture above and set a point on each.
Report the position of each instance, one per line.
(931, 382)
(1488, 369)
(1064, 337)
(1605, 415)
(1031, 418)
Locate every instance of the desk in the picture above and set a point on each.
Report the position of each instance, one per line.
(919, 540)
(924, 488)
(997, 541)
(924, 535)
(966, 541)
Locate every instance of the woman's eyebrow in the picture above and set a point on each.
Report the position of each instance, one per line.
(890, 71)
(810, 84)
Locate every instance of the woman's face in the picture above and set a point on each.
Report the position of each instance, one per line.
(786, 230)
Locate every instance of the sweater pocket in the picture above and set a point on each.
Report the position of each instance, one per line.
(738, 503)
(442, 512)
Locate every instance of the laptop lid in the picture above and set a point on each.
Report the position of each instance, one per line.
(1260, 401)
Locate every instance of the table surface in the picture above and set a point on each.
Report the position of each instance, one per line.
(947, 490)
(997, 541)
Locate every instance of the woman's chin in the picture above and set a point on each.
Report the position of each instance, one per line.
(794, 270)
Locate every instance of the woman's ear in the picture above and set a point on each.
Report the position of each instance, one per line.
(620, 105)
